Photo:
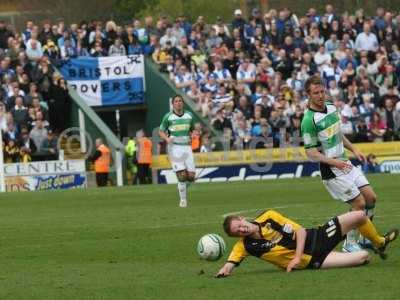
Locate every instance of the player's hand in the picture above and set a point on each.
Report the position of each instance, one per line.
(342, 165)
(293, 264)
(359, 155)
(169, 140)
(225, 271)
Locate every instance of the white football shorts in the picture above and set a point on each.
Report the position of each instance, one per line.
(181, 158)
(346, 186)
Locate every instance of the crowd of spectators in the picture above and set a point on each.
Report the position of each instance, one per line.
(246, 76)
(34, 101)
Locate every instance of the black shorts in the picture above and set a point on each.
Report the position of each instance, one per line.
(322, 240)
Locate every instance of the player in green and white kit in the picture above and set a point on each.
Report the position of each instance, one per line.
(175, 129)
(325, 143)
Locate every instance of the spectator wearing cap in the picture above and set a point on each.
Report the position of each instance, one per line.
(238, 21)
(49, 147)
(211, 84)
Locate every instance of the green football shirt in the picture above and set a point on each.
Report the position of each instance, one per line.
(178, 127)
(321, 130)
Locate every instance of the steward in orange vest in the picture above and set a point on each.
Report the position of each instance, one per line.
(144, 158)
(102, 160)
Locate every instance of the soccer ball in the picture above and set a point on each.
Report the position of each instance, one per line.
(211, 247)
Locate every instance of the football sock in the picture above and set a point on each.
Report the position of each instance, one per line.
(369, 211)
(368, 230)
(182, 190)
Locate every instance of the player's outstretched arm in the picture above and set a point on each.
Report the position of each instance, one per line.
(226, 270)
(301, 235)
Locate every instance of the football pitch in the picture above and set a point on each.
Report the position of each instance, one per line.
(136, 243)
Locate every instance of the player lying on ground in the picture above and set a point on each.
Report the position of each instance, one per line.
(282, 242)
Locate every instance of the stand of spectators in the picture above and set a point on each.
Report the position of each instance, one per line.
(246, 76)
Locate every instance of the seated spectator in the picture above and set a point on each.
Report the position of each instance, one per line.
(49, 147)
(11, 152)
(377, 127)
(183, 79)
(371, 165)
(68, 50)
(26, 145)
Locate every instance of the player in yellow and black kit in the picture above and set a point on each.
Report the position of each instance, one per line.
(284, 243)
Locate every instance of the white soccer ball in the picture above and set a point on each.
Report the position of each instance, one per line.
(211, 247)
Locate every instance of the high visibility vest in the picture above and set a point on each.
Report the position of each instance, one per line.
(102, 164)
(130, 148)
(145, 146)
(195, 141)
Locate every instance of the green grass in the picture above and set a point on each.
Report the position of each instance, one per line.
(135, 243)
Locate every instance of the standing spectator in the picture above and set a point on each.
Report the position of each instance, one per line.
(131, 160)
(38, 134)
(59, 106)
(144, 157)
(117, 49)
(102, 160)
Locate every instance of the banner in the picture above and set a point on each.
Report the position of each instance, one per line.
(45, 175)
(270, 155)
(113, 80)
(45, 182)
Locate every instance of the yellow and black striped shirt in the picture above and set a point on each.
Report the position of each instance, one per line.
(278, 245)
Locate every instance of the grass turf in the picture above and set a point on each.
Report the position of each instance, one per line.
(135, 243)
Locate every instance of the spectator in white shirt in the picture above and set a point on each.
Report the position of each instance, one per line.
(168, 37)
(366, 40)
(322, 57)
(183, 79)
(246, 74)
(222, 74)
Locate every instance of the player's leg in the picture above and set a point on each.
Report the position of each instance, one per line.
(358, 219)
(182, 189)
(178, 165)
(341, 260)
(344, 189)
(370, 201)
